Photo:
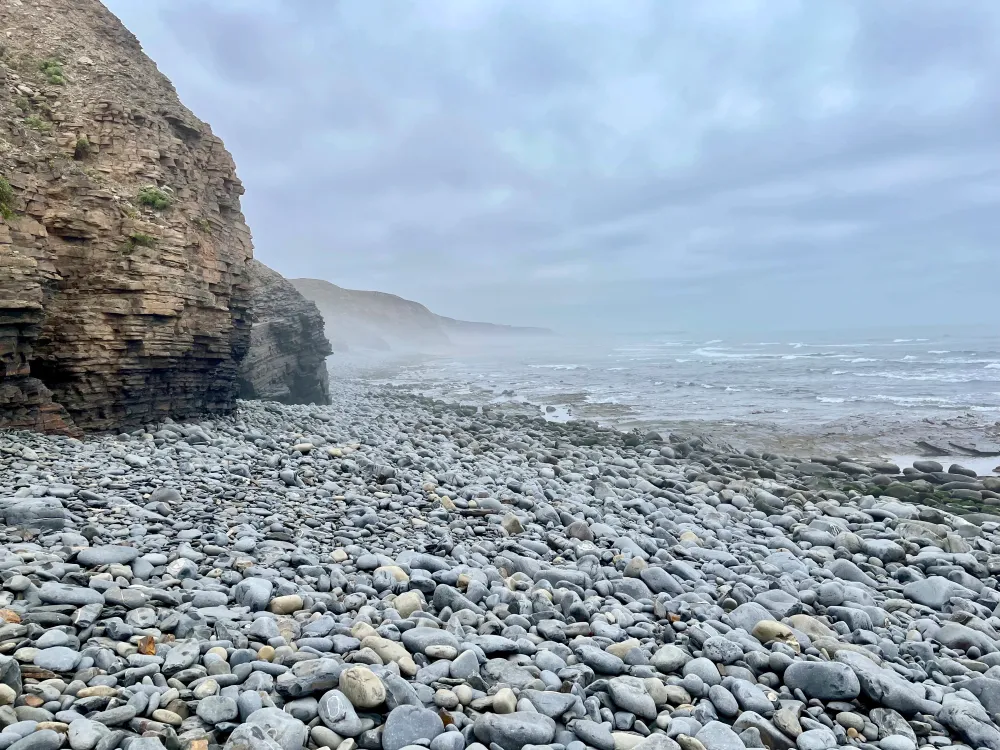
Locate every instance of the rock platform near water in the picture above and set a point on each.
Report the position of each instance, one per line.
(390, 572)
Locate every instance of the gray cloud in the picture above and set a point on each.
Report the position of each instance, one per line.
(655, 163)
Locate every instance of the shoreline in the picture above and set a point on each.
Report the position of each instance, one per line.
(889, 436)
(392, 570)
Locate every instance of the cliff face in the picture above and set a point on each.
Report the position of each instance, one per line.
(376, 320)
(124, 289)
(288, 349)
(372, 320)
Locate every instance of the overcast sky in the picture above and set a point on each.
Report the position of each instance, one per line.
(624, 164)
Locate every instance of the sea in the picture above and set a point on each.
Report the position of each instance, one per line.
(798, 380)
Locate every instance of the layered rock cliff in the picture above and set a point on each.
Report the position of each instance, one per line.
(124, 293)
(358, 319)
(288, 348)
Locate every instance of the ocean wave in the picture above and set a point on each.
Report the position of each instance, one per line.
(939, 351)
(711, 353)
(859, 360)
(839, 372)
(992, 366)
(843, 346)
(829, 400)
(908, 358)
(968, 361)
(908, 400)
(730, 389)
(945, 377)
(555, 367)
(645, 347)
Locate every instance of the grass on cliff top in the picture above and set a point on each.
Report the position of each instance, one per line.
(52, 69)
(6, 199)
(154, 198)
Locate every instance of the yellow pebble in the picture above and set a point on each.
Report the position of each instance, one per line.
(266, 653)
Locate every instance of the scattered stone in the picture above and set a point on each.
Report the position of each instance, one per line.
(380, 595)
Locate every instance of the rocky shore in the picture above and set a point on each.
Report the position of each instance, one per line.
(390, 572)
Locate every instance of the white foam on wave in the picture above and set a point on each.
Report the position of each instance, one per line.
(992, 366)
(616, 369)
(902, 341)
(829, 400)
(712, 353)
(859, 360)
(554, 367)
(839, 372)
(713, 341)
(939, 351)
(730, 389)
(908, 358)
(909, 400)
(944, 377)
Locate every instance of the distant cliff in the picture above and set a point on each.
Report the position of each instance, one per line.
(288, 350)
(124, 291)
(376, 320)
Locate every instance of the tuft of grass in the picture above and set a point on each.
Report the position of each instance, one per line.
(52, 69)
(22, 103)
(138, 239)
(37, 123)
(203, 224)
(6, 199)
(83, 149)
(154, 198)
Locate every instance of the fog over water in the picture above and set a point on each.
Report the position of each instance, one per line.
(676, 377)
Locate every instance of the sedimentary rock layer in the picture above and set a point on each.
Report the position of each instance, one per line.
(288, 348)
(124, 291)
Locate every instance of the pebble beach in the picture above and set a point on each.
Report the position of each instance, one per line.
(393, 572)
